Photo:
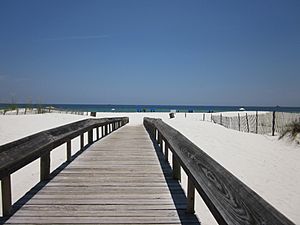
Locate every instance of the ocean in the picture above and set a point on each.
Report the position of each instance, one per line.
(154, 108)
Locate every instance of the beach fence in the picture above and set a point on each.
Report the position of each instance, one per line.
(30, 111)
(259, 122)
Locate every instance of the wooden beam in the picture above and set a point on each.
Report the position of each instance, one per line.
(82, 141)
(97, 131)
(6, 195)
(69, 152)
(90, 136)
(273, 124)
(45, 166)
(190, 197)
(166, 151)
(176, 168)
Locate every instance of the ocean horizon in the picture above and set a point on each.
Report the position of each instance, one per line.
(152, 108)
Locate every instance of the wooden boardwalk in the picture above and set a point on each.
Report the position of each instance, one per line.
(120, 179)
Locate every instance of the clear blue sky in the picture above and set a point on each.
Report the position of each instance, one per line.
(201, 52)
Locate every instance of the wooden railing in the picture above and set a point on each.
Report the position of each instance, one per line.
(229, 200)
(17, 154)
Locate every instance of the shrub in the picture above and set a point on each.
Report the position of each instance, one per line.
(291, 131)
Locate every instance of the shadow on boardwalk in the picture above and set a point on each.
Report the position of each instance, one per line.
(176, 190)
(121, 146)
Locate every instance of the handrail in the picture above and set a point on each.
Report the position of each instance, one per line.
(17, 154)
(229, 200)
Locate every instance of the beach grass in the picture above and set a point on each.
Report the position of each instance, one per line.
(292, 131)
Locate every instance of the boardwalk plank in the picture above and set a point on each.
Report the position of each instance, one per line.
(120, 179)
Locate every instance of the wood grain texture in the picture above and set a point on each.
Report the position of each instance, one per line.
(17, 154)
(120, 179)
(229, 200)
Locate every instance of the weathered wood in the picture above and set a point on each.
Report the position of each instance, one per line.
(190, 197)
(17, 154)
(90, 136)
(166, 151)
(160, 141)
(45, 166)
(239, 121)
(97, 133)
(102, 131)
(6, 195)
(256, 122)
(107, 190)
(229, 200)
(247, 122)
(273, 124)
(176, 168)
(69, 151)
(105, 130)
(82, 141)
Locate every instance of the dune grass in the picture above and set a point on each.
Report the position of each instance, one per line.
(292, 131)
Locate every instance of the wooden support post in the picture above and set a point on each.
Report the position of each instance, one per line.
(69, 153)
(239, 121)
(97, 131)
(256, 122)
(176, 168)
(273, 124)
(45, 166)
(190, 197)
(221, 119)
(6, 195)
(82, 141)
(166, 151)
(106, 130)
(102, 131)
(90, 136)
(203, 116)
(247, 123)
(159, 140)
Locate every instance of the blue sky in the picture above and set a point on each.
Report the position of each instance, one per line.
(201, 52)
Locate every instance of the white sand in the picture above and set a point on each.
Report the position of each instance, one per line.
(267, 165)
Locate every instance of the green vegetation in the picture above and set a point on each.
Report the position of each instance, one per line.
(292, 131)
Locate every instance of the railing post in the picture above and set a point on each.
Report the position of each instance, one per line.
(6, 195)
(102, 131)
(221, 122)
(176, 168)
(82, 141)
(69, 154)
(190, 197)
(159, 141)
(97, 130)
(90, 136)
(45, 166)
(166, 151)
(106, 130)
